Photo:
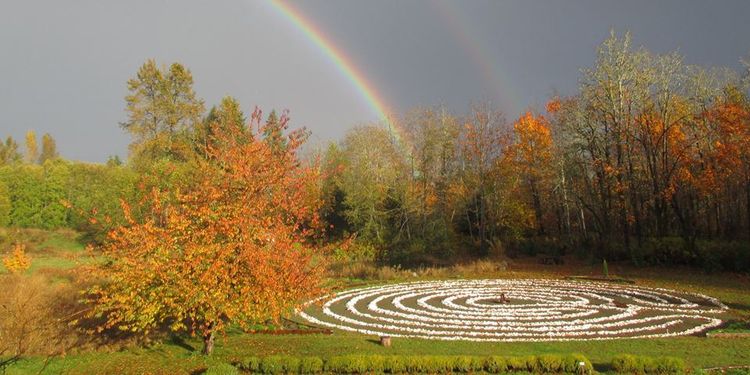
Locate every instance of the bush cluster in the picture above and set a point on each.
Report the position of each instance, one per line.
(432, 364)
(222, 369)
(631, 364)
(709, 255)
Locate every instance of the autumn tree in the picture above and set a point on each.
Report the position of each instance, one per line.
(433, 135)
(9, 153)
(32, 151)
(49, 149)
(596, 136)
(482, 143)
(371, 180)
(233, 247)
(731, 150)
(531, 154)
(163, 111)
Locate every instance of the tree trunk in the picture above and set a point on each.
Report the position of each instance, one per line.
(537, 202)
(482, 226)
(208, 340)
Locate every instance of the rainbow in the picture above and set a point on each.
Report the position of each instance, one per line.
(455, 19)
(344, 64)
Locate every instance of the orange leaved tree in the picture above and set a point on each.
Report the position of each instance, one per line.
(531, 155)
(232, 246)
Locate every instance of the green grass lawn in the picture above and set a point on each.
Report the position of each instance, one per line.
(182, 355)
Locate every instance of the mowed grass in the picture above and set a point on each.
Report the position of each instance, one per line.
(183, 357)
(60, 250)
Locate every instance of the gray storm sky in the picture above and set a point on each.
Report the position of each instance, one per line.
(64, 64)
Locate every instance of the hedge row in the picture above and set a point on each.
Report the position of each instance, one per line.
(627, 363)
(394, 364)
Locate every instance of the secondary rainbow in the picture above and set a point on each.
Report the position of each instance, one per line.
(490, 67)
(342, 63)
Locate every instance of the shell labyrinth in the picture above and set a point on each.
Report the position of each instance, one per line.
(515, 310)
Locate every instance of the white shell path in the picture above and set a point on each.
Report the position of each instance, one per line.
(515, 310)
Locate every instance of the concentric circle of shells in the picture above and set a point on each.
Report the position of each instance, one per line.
(515, 310)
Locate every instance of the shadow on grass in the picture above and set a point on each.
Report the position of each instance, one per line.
(739, 306)
(179, 341)
(605, 368)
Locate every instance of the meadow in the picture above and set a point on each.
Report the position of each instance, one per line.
(56, 254)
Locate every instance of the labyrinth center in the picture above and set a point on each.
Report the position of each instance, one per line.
(515, 310)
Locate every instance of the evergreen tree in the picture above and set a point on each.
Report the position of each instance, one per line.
(114, 161)
(220, 119)
(273, 133)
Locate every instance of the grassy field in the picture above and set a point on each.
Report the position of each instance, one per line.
(52, 251)
(174, 357)
(49, 251)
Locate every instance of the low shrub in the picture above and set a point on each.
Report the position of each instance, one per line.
(375, 363)
(310, 365)
(477, 363)
(33, 314)
(577, 363)
(279, 365)
(222, 369)
(437, 364)
(463, 364)
(394, 364)
(670, 365)
(550, 363)
(516, 364)
(495, 364)
(646, 364)
(624, 363)
(627, 363)
(250, 364)
(355, 364)
(532, 363)
(710, 255)
(415, 363)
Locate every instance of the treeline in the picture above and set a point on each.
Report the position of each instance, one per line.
(171, 134)
(648, 162)
(34, 185)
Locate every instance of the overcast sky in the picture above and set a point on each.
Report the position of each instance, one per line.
(64, 64)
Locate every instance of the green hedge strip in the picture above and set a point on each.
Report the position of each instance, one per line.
(627, 363)
(222, 369)
(433, 364)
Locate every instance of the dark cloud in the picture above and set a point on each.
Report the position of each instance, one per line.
(64, 64)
